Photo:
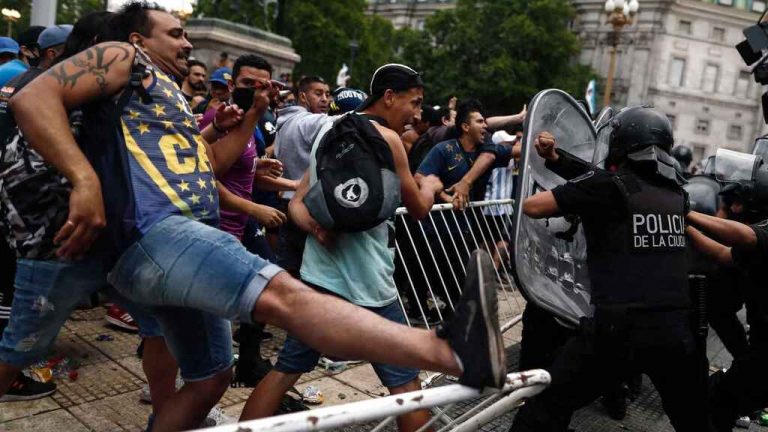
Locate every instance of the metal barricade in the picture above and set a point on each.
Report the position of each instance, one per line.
(518, 387)
(430, 267)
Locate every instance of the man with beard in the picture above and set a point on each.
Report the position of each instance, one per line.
(194, 83)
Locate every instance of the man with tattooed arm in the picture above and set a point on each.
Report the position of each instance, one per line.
(143, 185)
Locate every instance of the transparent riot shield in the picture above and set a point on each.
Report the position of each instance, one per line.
(550, 254)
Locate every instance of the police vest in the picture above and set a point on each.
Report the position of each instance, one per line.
(642, 260)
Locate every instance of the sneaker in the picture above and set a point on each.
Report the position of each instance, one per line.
(120, 318)
(25, 388)
(145, 396)
(216, 417)
(474, 333)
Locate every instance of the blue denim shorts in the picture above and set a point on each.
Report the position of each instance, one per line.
(184, 263)
(296, 357)
(45, 294)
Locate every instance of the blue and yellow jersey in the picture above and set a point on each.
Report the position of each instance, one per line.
(168, 167)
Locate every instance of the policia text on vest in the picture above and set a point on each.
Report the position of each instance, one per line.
(656, 231)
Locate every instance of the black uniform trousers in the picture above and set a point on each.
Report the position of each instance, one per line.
(743, 388)
(607, 351)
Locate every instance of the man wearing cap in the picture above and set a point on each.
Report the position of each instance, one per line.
(18, 57)
(219, 91)
(358, 267)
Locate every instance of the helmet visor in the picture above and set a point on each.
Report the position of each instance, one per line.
(732, 166)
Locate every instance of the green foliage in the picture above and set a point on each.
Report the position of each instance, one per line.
(500, 51)
(67, 11)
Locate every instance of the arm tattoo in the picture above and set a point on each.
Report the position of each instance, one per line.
(95, 61)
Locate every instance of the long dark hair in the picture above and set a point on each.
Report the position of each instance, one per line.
(85, 33)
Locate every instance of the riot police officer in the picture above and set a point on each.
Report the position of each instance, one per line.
(633, 219)
(743, 388)
(684, 156)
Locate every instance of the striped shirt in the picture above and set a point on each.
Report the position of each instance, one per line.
(500, 186)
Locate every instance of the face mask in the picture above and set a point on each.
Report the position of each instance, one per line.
(243, 97)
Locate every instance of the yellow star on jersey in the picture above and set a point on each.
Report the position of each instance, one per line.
(167, 123)
(210, 197)
(133, 114)
(449, 147)
(202, 184)
(195, 198)
(164, 77)
(458, 157)
(143, 128)
(159, 110)
(187, 122)
(180, 106)
(168, 92)
(213, 183)
(184, 186)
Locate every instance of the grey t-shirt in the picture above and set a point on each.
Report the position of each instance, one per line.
(296, 131)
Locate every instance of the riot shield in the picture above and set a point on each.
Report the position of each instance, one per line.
(551, 254)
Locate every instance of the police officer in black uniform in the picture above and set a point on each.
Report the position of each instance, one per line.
(684, 156)
(743, 388)
(633, 218)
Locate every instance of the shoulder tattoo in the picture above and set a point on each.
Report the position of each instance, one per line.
(95, 61)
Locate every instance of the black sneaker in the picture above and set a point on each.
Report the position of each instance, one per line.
(25, 388)
(474, 333)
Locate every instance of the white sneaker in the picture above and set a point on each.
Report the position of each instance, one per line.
(145, 395)
(216, 417)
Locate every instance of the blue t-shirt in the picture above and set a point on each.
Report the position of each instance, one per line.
(450, 162)
(11, 69)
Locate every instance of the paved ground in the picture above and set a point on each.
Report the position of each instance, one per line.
(105, 396)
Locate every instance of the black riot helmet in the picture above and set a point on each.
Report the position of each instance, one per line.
(643, 136)
(682, 154)
(744, 177)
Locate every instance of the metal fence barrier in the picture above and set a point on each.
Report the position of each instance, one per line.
(519, 386)
(429, 273)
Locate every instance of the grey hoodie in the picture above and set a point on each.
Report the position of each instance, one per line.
(296, 131)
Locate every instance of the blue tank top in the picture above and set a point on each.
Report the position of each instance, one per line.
(168, 167)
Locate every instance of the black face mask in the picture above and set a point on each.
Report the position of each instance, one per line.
(243, 97)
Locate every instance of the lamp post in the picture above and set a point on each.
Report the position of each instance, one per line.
(620, 13)
(11, 16)
(353, 46)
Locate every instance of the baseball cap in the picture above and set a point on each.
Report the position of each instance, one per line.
(347, 99)
(8, 45)
(221, 76)
(54, 35)
(502, 136)
(28, 37)
(393, 76)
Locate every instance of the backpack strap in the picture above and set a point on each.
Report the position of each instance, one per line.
(375, 118)
(139, 70)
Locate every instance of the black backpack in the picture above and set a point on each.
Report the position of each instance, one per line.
(355, 186)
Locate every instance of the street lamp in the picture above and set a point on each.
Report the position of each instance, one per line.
(353, 46)
(183, 13)
(11, 16)
(620, 13)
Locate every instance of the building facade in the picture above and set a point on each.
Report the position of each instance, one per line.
(679, 56)
(408, 13)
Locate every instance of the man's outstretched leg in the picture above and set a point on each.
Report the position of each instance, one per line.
(469, 346)
(180, 262)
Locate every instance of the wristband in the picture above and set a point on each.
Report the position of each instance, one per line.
(217, 128)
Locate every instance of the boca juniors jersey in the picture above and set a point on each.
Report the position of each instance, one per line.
(167, 162)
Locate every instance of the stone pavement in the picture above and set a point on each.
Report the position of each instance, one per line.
(105, 396)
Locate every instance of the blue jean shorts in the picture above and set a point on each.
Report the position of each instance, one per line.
(45, 294)
(296, 357)
(180, 262)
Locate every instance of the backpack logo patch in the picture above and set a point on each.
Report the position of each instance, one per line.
(352, 193)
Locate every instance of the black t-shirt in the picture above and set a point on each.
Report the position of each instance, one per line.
(753, 262)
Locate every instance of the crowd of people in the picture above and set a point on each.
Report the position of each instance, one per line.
(195, 200)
